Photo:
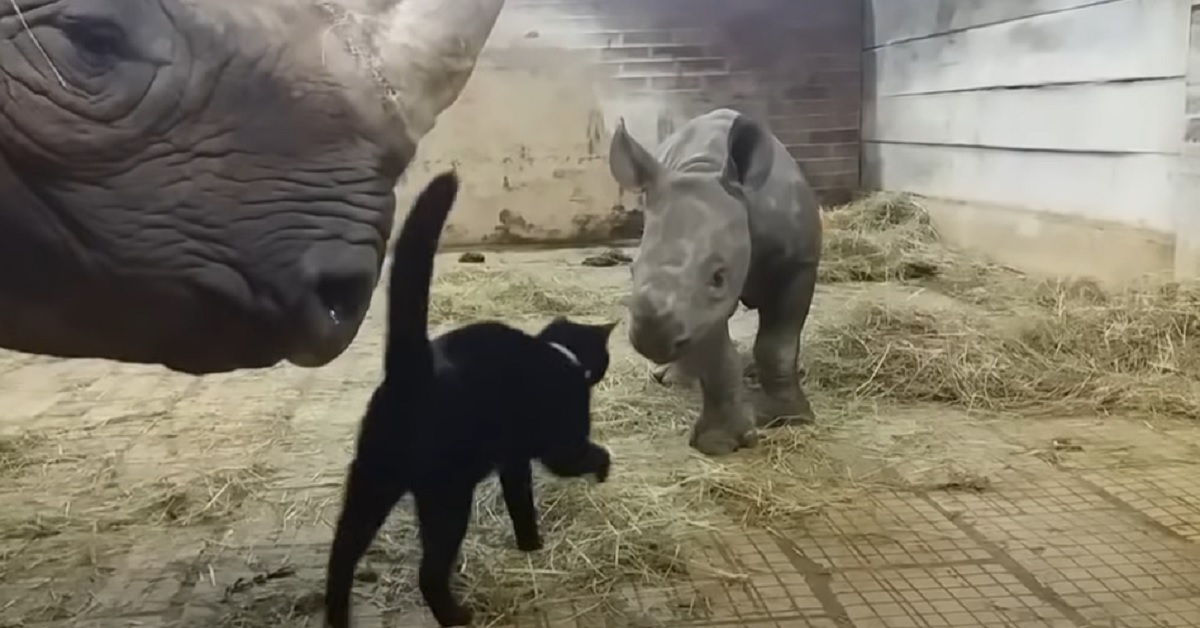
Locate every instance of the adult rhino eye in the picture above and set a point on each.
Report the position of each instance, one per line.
(99, 42)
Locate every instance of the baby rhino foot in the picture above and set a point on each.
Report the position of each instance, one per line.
(779, 409)
(717, 442)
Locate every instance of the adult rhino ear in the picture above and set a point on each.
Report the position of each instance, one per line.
(631, 165)
(427, 51)
(751, 154)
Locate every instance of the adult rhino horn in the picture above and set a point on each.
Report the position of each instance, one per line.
(427, 50)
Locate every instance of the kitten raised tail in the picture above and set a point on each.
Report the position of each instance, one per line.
(407, 352)
(371, 491)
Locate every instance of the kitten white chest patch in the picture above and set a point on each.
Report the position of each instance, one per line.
(570, 355)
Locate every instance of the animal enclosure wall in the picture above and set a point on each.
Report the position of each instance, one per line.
(1049, 130)
(530, 133)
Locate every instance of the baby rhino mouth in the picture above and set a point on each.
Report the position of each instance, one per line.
(661, 346)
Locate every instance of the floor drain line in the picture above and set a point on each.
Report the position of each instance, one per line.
(1010, 564)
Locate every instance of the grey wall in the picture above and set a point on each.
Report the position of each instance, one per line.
(1056, 111)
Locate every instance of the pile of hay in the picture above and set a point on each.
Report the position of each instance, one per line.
(884, 237)
(1012, 342)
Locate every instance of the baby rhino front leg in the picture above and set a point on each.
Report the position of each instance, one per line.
(776, 354)
(723, 426)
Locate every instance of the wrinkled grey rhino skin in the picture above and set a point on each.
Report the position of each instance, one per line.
(185, 183)
(729, 217)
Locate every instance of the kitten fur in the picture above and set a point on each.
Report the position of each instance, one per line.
(481, 398)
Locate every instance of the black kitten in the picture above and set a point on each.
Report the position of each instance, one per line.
(485, 397)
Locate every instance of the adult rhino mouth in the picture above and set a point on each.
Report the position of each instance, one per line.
(340, 282)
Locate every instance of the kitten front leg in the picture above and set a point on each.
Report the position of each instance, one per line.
(443, 519)
(595, 460)
(371, 493)
(516, 481)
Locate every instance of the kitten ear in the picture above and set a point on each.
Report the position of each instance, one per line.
(608, 328)
(554, 324)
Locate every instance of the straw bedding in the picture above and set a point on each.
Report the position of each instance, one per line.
(900, 319)
(962, 332)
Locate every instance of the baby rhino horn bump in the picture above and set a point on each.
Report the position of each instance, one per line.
(427, 51)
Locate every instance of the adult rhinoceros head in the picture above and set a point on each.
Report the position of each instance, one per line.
(207, 184)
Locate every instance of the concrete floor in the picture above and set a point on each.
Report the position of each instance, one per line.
(1098, 529)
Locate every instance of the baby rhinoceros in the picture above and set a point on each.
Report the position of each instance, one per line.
(729, 217)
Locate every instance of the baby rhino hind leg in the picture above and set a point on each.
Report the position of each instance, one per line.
(776, 354)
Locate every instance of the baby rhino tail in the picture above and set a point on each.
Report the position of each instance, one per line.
(411, 274)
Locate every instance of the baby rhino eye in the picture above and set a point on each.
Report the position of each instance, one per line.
(717, 281)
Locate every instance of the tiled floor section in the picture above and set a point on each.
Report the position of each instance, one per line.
(1073, 541)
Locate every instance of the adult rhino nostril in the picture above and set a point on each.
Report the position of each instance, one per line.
(345, 296)
(680, 345)
(331, 311)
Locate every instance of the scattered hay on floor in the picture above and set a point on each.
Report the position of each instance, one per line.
(19, 452)
(101, 507)
(270, 610)
(78, 532)
(788, 476)
(212, 498)
(467, 294)
(650, 525)
(639, 528)
(643, 527)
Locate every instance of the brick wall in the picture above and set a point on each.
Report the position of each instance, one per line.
(795, 64)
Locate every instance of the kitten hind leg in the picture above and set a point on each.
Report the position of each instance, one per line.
(443, 519)
(516, 481)
(370, 496)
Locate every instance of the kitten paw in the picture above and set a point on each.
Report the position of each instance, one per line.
(601, 463)
(529, 545)
(457, 616)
